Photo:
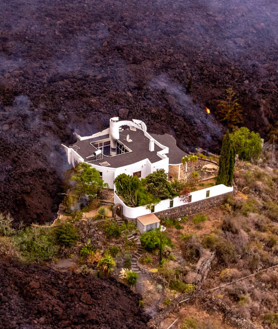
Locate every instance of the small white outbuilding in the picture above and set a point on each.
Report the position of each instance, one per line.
(147, 222)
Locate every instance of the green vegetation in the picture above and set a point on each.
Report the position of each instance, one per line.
(132, 278)
(66, 234)
(87, 250)
(102, 211)
(87, 180)
(181, 286)
(199, 219)
(6, 225)
(106, 264)
(147, 191)
(114, 251)
(229, 110)
(36, 244)
(248, 145)
(271, 319)
(113, 230)
(167, 302)
(146, 260)
(226, 161)
(189, 158)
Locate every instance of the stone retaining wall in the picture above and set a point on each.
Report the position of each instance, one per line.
(193, 208)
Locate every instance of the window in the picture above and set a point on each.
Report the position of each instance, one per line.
(152, 208)
(207, 194)
(171, 203)
(137, 173)
(100, 175)
(189, 198)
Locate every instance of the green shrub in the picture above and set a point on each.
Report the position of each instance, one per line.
(250, 206)
(167, 302)
(6, 228)
(159, 288)
(97, 217)
(106, 264)
(141, 303)
(151, 240)
(103, 212)
(76, 215)
(187, 236)
(113, 230)
(209, 241)
(178, 226)
(37, 244)
(181, 286)
(114, 251)
(127, 260)
(87, 250)
(272, 211)
(191, 323)
(199, 219)
(146, 260)
(169, 222)
(271, 318)
(132, 278)
(184, 219)
(66, 234)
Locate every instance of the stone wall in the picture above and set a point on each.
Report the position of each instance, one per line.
(193, 208)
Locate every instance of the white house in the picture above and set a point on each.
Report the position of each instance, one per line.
(125, 147)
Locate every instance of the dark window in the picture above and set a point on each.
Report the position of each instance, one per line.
(189, 198)
(152, 208)
(207, 194)
(137, 173)
(171, 203)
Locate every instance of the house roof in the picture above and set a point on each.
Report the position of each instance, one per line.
(139, 147)
(148, 219)
(175, 153)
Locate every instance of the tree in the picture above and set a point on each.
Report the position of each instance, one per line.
(106, 264)
(128, 188)
(155, 239)
(226, 161)
(66, 234)
(158, 185)
(229, 110)
(87, 180)
(248, 145)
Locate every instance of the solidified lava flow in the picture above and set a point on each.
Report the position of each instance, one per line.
(34, 297)
(70, 65)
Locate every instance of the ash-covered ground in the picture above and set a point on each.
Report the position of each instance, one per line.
(70, 65)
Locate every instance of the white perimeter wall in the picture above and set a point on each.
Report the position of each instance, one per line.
(165, 204)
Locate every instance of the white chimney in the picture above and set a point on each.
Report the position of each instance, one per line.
(151, 145)
(114, 135)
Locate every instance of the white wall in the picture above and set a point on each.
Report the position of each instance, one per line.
(165, 204)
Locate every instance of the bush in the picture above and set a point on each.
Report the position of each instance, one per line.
(209, 241)
(271, 319)
(114, 251)
(159, 288)
(103, 212)
(132, 278)
(181, 286)
(167, 302)
(37, 244)
(113, 230)
(250, 206)
(141, 303)
(199, 219)
(272, 211)
(191, 323)
(146, 260)
(97, 217)
(6, 225)
(87, 250)
(106, 264)
(66, 234)
(151, 240)
(127, 260)
(178, 226)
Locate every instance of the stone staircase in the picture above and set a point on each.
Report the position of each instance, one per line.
(134, 237)
(119, 220)
(134, 265)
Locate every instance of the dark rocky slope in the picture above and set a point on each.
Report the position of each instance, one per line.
(34, 297)
(70, 65)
